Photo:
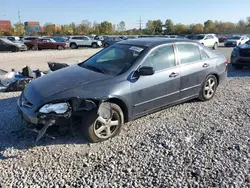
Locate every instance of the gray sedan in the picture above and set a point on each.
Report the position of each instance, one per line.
(127, 80)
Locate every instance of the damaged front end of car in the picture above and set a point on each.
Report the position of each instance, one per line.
(70, 112)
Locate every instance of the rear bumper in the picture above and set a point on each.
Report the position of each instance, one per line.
(223, 76)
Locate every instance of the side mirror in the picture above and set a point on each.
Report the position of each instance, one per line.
(146, 71)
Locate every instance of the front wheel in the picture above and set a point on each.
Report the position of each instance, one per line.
(208, 88)
(98, 129)
(215, 46)
(34, 48)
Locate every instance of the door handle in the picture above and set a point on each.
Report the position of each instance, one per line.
(205, 65)
(173, 74)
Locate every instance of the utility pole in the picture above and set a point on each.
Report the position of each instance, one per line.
(139, 22)
(19, 17)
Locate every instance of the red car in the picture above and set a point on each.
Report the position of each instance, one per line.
(45, 43)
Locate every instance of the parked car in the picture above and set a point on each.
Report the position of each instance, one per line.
(208, 40)
(46, 43)
(240, 56)
(80, 41)
(235, 41)
(127, 80)
(111, 40)
(7, 45)
(222, 38)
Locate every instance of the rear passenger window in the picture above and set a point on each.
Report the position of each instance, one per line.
(161, 58)
(204, 55)
(188, 53)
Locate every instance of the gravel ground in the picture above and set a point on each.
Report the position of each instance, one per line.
(195, 144)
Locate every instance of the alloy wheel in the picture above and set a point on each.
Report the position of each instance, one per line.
(210, 88)
(106, 128)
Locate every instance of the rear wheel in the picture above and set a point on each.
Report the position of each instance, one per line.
(208, 88)
(94, 45)
(98, 129)
(14, 49)
(60, 47)
(34, 48)
(73, 46)
(215, 46)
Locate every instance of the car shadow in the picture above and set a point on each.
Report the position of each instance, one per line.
(14, 132)
(232, 72)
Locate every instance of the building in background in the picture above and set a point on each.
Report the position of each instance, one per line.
(32, 27)
(5, 25)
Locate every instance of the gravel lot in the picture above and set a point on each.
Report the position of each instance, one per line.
(195, 144)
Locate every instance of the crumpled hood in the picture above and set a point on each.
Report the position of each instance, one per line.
(59, 81)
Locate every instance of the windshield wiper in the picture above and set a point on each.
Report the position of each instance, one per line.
(98, 69)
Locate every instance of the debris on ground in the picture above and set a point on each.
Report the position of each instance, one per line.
(17, 81)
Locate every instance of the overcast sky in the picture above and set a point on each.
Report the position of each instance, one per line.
(180, 11)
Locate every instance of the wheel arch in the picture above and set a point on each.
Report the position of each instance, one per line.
(123, 107)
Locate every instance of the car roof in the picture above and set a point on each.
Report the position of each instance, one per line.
(151, 42)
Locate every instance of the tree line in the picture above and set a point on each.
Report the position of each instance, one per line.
(152, 27)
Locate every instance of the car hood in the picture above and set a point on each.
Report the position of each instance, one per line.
(59, 81)
(244, 46)
(232, 40)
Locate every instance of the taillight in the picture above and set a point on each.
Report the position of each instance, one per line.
(226, 62)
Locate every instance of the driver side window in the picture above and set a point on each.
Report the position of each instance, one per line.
(161, 58)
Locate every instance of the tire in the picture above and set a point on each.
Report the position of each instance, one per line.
(94, 45)
(207, 91)
(215, 46)
(14, 49)
(34, 48)
(237, 66)
(73, 46)
(91, 125)
(106, 45)
(60, 47)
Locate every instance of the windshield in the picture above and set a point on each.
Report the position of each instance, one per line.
(114, 60)
(235, 37)
(6, 40)
(197, 37)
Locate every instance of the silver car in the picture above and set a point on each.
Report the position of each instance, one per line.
(122, 82)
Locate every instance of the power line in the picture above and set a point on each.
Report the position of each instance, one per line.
(140, 22)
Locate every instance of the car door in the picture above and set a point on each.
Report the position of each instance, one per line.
(195, 65)
(209, 41)
(162, 88)
(86, 41)
(2, 45)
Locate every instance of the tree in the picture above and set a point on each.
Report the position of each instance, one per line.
(106, 28)
(121, 26)
(180, 29)
(19, 29)
(154, 27)
(96, 28)
(209, 26)
(196, 28)
(67, 30)
(169, 25)
(84, 28)
(49, 29)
